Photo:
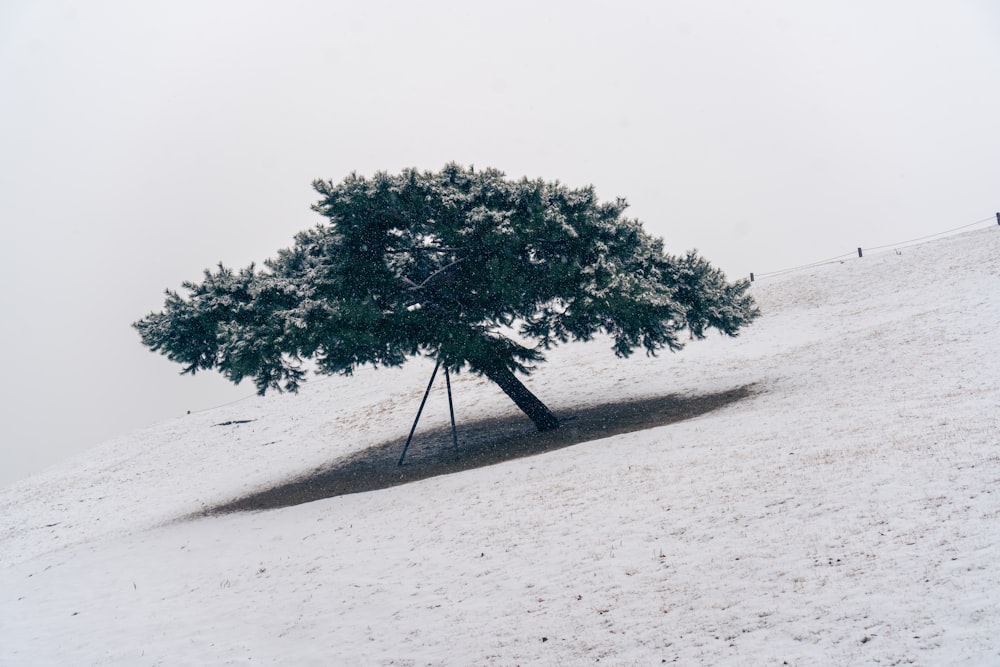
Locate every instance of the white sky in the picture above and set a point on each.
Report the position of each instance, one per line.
(144, 142)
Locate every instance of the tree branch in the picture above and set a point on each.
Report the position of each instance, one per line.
(399, 251)
(434, 277)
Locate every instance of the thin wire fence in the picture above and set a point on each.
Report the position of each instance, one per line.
(858, 253)
(931, 236)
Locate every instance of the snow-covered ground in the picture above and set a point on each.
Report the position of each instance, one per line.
(846, 513)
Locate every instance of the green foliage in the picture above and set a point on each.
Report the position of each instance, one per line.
(484, 272)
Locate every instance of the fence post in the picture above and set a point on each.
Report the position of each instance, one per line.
(859, 253)
(998, 222)
(998, 217)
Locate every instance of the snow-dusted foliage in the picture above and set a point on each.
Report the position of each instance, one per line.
(447, 265)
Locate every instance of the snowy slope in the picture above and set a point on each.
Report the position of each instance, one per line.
(846, 513)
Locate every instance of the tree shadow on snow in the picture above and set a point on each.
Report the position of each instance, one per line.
(480, 443)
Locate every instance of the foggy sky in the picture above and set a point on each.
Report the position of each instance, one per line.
(144, 142)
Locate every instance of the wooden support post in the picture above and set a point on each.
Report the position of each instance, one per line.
(998, 217)
(859, 253)
(751, 273)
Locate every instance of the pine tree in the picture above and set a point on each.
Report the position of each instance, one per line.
(478, 271)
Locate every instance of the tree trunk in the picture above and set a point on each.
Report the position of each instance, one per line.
(524, 399)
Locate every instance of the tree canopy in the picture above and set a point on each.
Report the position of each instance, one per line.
(481, 272)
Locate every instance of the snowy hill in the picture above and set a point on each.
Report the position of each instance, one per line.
(845, 511)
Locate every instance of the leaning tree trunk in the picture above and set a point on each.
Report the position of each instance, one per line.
(524, 399)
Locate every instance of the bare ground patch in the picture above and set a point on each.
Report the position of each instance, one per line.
(480, 443)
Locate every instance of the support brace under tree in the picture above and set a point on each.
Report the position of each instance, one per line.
(423, 401)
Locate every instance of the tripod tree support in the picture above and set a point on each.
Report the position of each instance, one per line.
(423, 401)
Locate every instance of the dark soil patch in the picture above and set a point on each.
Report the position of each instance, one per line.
(480, 443)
